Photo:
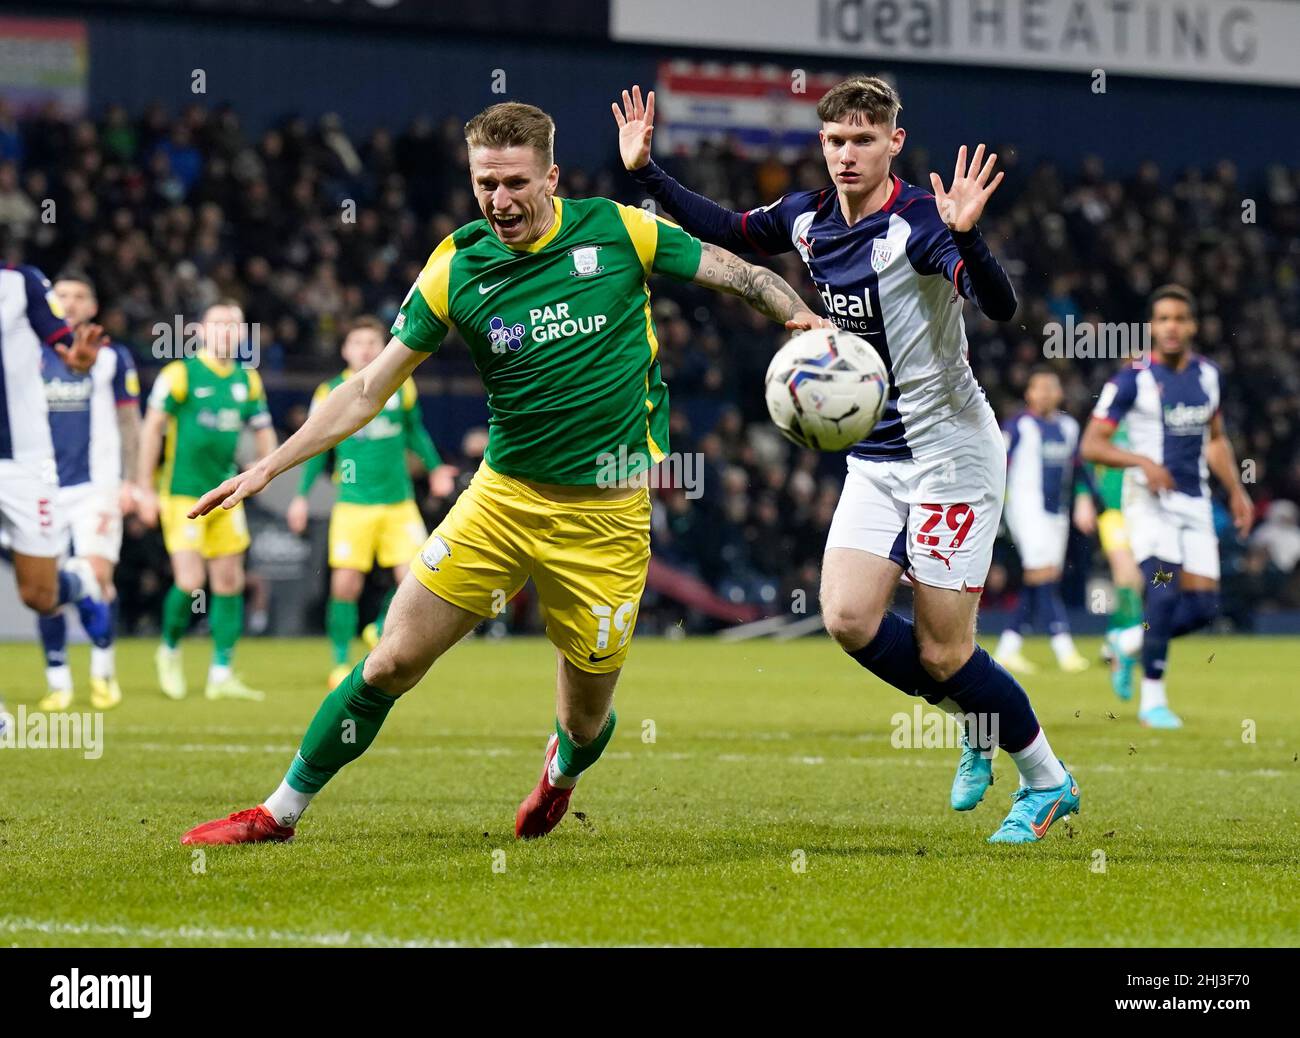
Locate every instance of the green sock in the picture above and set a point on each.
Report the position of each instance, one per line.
(341, 625)
(176, 616)
(383, 610)
(1128, 609)
(227, 623)
(573, 759)
(343, 728)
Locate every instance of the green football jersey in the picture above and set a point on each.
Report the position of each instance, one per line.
(1110, 482)
(370, 465)
(208, 403)
(562, 336)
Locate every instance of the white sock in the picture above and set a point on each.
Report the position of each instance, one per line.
(59, 679)
(557, 778)
(1152, 695)
(102, 662)
(286, 804)
(1063, 646)
(169, 650)
(1129, 640)
(1038, 766)
(218, 673)
(1010, 642)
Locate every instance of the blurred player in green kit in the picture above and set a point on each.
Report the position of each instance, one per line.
(1123, 641)
(375, 518)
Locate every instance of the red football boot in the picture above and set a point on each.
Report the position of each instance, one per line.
(543, 808)
(256, 825)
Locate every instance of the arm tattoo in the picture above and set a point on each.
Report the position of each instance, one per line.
(764, 290)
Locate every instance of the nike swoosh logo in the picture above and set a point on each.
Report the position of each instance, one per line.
(203, 391)
(1040, 829)
(485, 289)
(600, 659)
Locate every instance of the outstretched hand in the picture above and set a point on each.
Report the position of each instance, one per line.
(961, 205)
(803, 320)
(636, 125)
(231, 492)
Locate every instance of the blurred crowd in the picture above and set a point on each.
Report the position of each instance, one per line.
(309, 225)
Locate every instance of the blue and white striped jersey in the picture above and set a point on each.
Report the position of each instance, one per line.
(83, 414)
(1042, 455)
(30, 316)
(1168, 416)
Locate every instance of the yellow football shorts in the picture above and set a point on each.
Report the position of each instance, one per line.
(587, 558)
(360, 534)
(220, 532)
(1111, 530)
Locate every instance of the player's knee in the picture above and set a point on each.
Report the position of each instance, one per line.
(941, 660)
(39, 597)
(852, 626)
(391, 671)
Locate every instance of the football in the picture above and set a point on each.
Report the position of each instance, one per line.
(826, 389)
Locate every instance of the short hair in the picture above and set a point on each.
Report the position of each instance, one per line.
(1171, 292)
(862, 98)
(79, 278)
(365, 323)
(1042, 369)
(513, 124)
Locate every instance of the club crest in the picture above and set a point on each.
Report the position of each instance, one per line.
(882, 251)
(586, 261)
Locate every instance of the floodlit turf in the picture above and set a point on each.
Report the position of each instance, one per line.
(756, 759)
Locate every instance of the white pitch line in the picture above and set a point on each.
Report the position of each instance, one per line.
(906, 758)
(190, 934)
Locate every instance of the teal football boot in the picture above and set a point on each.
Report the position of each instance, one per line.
(1121, 667)
(1159, 717)
(973, 778)
(1034, 810)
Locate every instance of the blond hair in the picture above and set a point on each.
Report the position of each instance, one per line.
(513, 124)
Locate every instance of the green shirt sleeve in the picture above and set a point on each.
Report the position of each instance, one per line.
(677, 254)
(255, 410)
(417, 436)
(425, 316)
(311, 469)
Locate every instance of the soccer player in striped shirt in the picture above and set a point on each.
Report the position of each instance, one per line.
(923, 493)
(551, 297)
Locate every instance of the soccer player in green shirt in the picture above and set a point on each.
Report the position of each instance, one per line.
(375, 517)
(202, 403)
(550, 295)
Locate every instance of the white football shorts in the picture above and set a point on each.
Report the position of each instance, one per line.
(937, 517)
(29, 511)
(1171, 526)
(1040, 536)
(94, 520)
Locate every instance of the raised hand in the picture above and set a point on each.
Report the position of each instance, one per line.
(86, 341)
(961, 205)
(636, 125)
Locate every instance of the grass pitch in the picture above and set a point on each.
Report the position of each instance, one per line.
(751, 796)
